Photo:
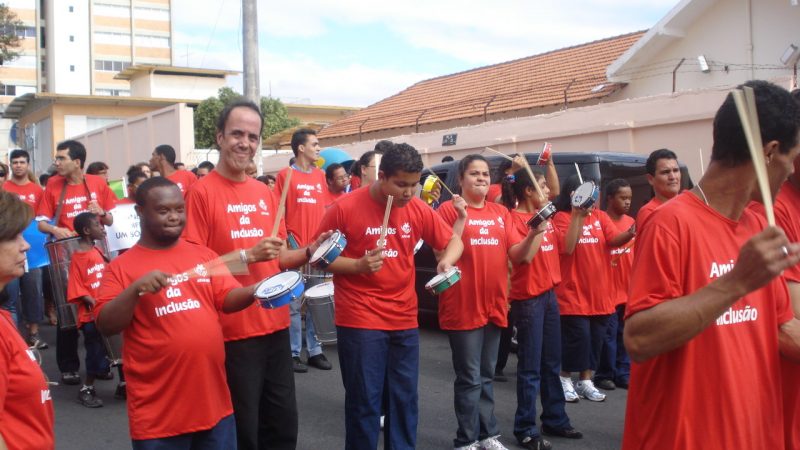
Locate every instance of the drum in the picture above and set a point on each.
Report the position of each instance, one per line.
(313, 276)
(329, 250)
(418, 246)
(280, 289)
(545, 213)
(586, 195)
(427, 188)
(113, 346)
(320, 303)
(442, 281)
(544, 155)
(60, 253)
(36, 255)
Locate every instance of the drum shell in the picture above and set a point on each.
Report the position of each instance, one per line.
(543, 214)
(60, 253)
(113, 345)
(323, 315)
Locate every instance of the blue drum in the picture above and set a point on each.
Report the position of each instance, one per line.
(586, 195)
(280, 289)
(37, 254)
(329, 250)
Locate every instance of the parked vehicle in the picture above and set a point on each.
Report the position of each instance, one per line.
(601, 167)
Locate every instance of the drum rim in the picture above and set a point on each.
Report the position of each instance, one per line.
(309, 291)
(331, 242)
(282, 292)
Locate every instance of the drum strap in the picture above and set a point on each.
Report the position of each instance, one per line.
(59, 206)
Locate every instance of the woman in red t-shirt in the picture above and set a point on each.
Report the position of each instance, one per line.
(473, 311)
(26, 408)
(585, 296)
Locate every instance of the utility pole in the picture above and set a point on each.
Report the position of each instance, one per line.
(250, 61)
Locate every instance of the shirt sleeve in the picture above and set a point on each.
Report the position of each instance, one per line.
(279, 180)
(107, 198)
(513, 235)
(786, 220)
(111, 286)
(783, 302)
(435, 231)
(222, 284)
(76, 286)
(197, 229)
(6, 355)
(658, 280)
(46, 207)
(610, 230)
(448, 212)
(560, 226)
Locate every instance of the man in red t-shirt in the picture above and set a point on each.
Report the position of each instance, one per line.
(167, 301)
(30, 284)
(163, 161)
(229, 211)
(613, 369)
(664, 175)
(305, 206)
(337, 180)
(376, 306)
(75, 193)
(708, 312)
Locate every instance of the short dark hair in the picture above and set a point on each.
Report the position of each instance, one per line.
(151, 183)
(206, 165)
(179, 164)
(75, 150)
(401, 157)
(134, 175)
(240, 102)
(300, 137)
(448, 158)
(96, 167)
(615, 185)
(82, 221)
(382, 146)
(652, 160)
(43, 178)
(167, 152)
(778, 118)
(271, 177)
(17, 216)
(331, 169)
(19, 153)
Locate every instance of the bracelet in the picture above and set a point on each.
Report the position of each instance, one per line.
(243, 255)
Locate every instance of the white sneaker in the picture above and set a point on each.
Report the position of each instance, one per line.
(473, 446)
(491, 443)
(569, 390)
(587, 390)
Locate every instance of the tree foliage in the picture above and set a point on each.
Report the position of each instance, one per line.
(9, 40)
(276, 117)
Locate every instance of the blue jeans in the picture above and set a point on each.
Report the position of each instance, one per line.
(614, 362)
(538, 324)
(11, 305)
(221, 436)
(31, 303)
(374, 361)
(474, 359)
(582, 341)
(296, 331)
(96, 357)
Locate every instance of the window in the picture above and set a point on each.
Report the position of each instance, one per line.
(22, 32)
(72, 38)
(105, 37)
(22, 61)
(145, 40)
(150, 13)
(106, 9)
(8, 89)
(113, 92)
(72, 68)
(111, 66)
(71, 9)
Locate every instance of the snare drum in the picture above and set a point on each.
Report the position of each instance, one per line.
(278, 290)
(545, 213)
(427, 188)
(442, 281)
(586, 195)
(113, 345)
(544, 155)
(329, 250)
(320, 304)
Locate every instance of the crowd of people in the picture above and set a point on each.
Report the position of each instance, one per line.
(692, 305)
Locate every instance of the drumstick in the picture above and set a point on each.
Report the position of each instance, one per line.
(500, 154)
(578, 170)
(746, 106)
(439, 180)
(384, 227)
(282, 204)
(623, 249)
(229, 263)
(533, 179)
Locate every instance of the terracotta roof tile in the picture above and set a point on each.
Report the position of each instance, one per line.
(533, 82)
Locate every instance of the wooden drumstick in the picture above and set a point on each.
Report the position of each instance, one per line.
(384, 227)
(230, 263)
(746, 106)
(624, 249)
(499, 153)
(533, 178)
(439, 180)
(578, 170)
(282, 204)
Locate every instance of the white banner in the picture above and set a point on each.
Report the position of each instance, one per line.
(124, 232)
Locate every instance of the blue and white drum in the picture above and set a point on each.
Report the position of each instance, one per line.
(329, 250)
(586, 195)
(320, 303)
(278, 290)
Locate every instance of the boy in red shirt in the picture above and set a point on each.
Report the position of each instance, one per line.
(85, 274)
(708, 311)
(163, 161)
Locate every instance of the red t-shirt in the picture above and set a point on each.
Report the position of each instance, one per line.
(76, 200)
(586, 276)
(226, 215)
(481, 295)
(621, 262)
(173, 349)
(30, 193)
(495, 191)
(184, 179)
(384, 300)
(305, 202)
(331, 197)
(645, 211)
(694, 396)
(543, 273)
(26, 408)
(85, 275)
(355, 182)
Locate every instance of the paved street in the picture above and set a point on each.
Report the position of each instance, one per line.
(320, 399)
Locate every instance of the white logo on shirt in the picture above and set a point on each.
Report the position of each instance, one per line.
(45, 394)
(406, 228)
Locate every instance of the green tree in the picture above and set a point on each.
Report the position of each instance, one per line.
(276, 117)
(9, 40)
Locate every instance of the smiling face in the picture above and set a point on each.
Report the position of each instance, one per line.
(164, 214)
(667, 179)
(239, 140)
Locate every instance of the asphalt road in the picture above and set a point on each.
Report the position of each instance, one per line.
(320, 398)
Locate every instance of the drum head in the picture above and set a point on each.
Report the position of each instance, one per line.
(321, 290)
(326, 246)
(583, 193)
(437, 279)
(277, 285)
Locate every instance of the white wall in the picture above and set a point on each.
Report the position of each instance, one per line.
(186, 87)
(68, 62)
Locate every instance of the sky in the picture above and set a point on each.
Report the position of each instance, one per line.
(357, 52)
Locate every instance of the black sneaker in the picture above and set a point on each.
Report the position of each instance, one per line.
(606, 384)
(500, 376)
(320, 362)
(88, 398)
(298, 366)
(121, 393)
(569, 433)
(535, 443)
(70, 378)
(36, 342)
(622, 383)
(105, 376)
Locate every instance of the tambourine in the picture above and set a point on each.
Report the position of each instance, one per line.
(586, 195)
(330, 249)
(427, 188)
(280, 289)
(544, 155)
(443, 281)
(547, 211)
